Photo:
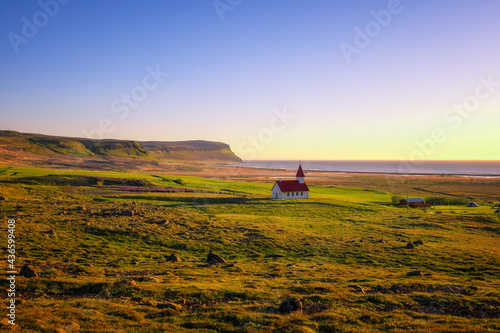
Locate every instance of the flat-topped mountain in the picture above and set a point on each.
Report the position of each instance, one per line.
(27, 148)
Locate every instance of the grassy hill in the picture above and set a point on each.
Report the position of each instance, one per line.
(101, 254)
(26, 148)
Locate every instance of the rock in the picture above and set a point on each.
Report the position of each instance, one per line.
(81, 208)
(173, 258)
(28, 272)
(409, 246)
(127, 212)
(419, 242)
(71, 327)
(415, 273)
(238, 269)
(162, 222)
(134, 262)
(291, 304)
(3, 198)
(52, 232)
(184, 246)
(472, 269)
(213, 258)
(382, 241)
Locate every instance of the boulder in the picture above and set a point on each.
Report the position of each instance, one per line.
(213, 258)
(3, 198)
(409, 246)
(28, 272)
(291, 304)
(71, 327)
(173, 258)
(127, 212)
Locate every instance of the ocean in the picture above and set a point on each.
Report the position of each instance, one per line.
(463, 168)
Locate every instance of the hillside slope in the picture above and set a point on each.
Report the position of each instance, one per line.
(26, 148)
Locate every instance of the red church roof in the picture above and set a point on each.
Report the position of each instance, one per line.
(300, 173)
(292, 186)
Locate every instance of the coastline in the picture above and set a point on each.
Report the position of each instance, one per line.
(363, 172)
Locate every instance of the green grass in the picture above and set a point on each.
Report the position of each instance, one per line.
(326, 250)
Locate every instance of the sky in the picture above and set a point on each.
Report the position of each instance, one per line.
(275, 79)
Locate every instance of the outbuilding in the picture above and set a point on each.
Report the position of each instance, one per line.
(414, 202)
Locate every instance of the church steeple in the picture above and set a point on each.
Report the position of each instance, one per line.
(300, 175)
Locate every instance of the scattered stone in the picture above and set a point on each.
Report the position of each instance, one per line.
(127, 212)
(213, 258)
(134, 262)
(52, 232)
(162, 222)
(252, 286)
(409, 246)
(238, 269)
(415, 273)
(71, 327)
(419, 242)
(173, 258)
(28, 272)
(291, 304)
(382, 241)
(81, 208)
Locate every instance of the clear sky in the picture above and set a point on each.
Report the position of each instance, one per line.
(275, 79)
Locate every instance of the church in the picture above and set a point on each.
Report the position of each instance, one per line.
(291, 189)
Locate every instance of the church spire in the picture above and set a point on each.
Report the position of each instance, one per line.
(300, 174)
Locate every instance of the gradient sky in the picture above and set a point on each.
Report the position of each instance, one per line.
(401, 95)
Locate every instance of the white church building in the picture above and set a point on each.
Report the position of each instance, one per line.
(291, 189)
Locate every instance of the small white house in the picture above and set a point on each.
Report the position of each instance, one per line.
(291, 189)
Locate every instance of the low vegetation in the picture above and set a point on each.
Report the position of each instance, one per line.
(346, 260)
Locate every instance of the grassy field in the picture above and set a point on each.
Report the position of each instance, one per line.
(101, 255)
